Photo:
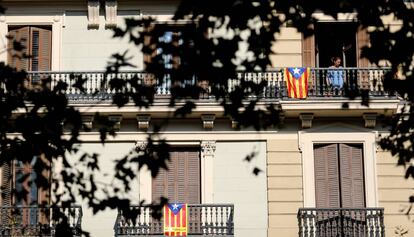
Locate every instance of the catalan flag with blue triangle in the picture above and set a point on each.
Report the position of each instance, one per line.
(175, 219)
(297, 81)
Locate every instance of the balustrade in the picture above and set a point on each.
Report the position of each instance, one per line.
(346, 222)
(203, 219)
(97, 84)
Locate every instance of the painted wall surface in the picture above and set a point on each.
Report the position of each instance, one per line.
(284, 177)
(235, 183)
(86, 49)
(102, 224)
(287, 48)
(393, 193)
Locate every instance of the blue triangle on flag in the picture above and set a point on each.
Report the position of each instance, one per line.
(296, 71)
(175, 207)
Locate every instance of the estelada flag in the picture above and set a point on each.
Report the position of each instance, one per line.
(297, 81)
(175, 219)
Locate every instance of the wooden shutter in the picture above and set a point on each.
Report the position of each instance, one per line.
(6, 184)
(17, 58)
(181, 183)
(37, 44)
(362, 41)
(308, 51)
(326, 176)
(352, 176)
(41, 49)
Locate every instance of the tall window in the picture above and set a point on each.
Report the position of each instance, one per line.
(335, 39)
(37, 48)
(339, 176)
(181, 183)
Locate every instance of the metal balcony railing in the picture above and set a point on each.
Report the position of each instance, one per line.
(38, 221)
(344, 222)
(97, 83)
(203, 219)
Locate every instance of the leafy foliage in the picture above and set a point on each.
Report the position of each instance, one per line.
(206, 57)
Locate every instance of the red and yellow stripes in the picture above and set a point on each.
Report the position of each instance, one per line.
(175, 225)
(297, 87)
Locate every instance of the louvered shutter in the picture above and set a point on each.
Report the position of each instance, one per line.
(6, 184)
(326, 176)
(181, 183)
(362, 41)
(193, 177)
(16, 58)
(308, 51)
(352, 176)
(41, 49)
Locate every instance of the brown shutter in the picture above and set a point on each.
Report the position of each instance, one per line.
(308, 51)
(352, 176)
(6, 184)
(326, 176)
(181, 183)
(193, 177)
(362, 41)
(16, 58)
(41, 49)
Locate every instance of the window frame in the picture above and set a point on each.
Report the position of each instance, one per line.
(54, 21)
(307, 140)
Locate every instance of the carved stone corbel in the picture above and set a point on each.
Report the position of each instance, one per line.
(117, 121)
(143, 121)
(306, 119)
(111, 8)
(93, 14)
(87, 121)
(370, 119)
(208, 121)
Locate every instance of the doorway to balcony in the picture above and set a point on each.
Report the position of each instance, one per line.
(336, 39)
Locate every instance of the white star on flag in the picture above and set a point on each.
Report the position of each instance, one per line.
(296, 71)
(175, 206)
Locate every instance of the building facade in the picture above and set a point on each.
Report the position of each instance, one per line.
(321, 167)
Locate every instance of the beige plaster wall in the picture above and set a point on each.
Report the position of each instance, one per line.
(393, 193)
(284, 178)
(287, 49)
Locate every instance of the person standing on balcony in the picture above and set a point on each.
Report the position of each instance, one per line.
(335, 77)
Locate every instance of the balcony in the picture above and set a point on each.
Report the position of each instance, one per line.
(97, 86)
(38, 221)
(203, 219)
(315, 222)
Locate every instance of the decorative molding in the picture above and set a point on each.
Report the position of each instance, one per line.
(208, 121)
(370, 119)
(234, 124)
(111, 8)
(93, 14)
(208, 149)
(117, 121)
(87, 121)
(2, 18)
(306, 119)
(143, 121)
(141, 145)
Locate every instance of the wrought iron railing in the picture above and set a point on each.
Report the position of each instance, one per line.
(203, 219)
(97, 82)
(365, 222)
(38, 221)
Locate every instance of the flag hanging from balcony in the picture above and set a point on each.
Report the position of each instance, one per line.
(175, 219)
(297, 81)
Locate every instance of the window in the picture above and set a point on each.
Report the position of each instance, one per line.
(335, 39)
(339, 175)
(181, 183)
(36, 42)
